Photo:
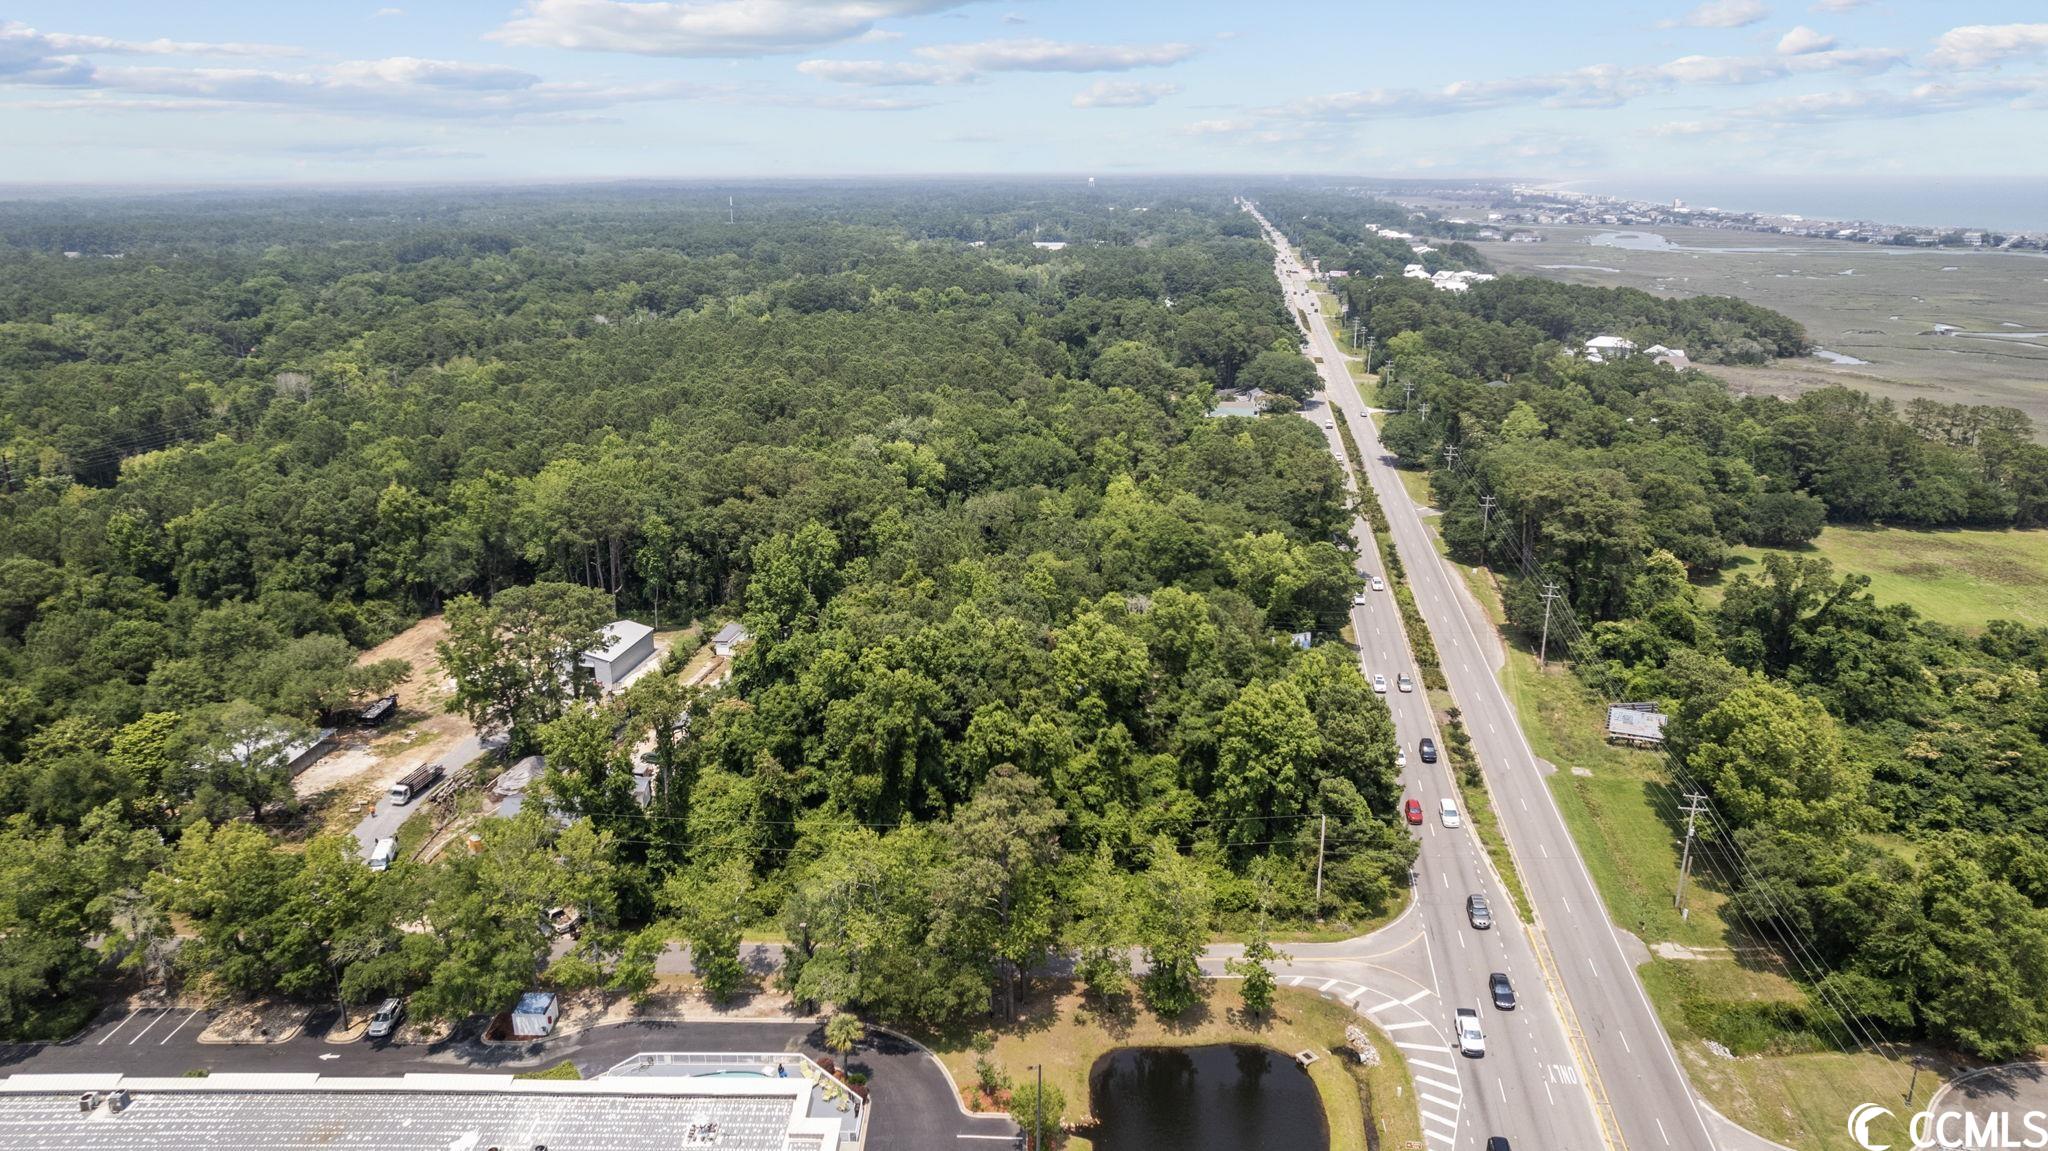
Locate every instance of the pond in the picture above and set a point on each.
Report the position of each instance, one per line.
(1224, 1098)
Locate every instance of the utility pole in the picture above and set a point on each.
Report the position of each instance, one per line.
(1694, 804)
(1408, 395)
(1451, 454)
(1369, 342)
(1425, 412)
(1485, 521)
(1543, 652)
(1038, 1111)
(1322, 835)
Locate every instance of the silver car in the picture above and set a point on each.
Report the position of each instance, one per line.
(385, 1021)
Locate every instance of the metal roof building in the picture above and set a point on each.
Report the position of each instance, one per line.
(769, 1102)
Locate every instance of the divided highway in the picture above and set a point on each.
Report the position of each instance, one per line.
(1532, 1086)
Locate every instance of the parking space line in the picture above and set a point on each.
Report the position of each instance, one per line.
(179, 1027)
(159, 1017)
(118, 1027)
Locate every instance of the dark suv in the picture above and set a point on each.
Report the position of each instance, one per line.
(1428, 749)
(1478, 912)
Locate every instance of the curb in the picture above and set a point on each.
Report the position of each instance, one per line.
(943, 1070)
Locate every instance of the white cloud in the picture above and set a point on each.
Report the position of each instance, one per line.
(1978, 45)
(884, 73)
(1722, 14)
(1839, 5)
(1054, 56)
(1760, 69)
(1802, 40)
(19, 42)
(703, 27)
(1122, 94)
(384, 13)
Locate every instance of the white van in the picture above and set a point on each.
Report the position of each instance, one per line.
(382, 853)
(1448, 809)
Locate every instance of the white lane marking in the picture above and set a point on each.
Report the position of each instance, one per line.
(159, 1017)
(1433, 1048)
(179, 1027)
(1355, 996)
(1567, 905)
(1377, 1008)
(1294, 981)
(1009, 1138)
(1594, 969)
(1410, 1025)
(1445, 1068)
(1438, 1083)
(1660, 1129)
(1440, 1136)
(1552, 1099)
(1624, 1042)
(1426, 1097)
(1461, 941)
(119, 1026)
(1327, 983)
(1450, 1123)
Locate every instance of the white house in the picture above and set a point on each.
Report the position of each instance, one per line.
(1415, 272)
(1601, 349)
(626, 645)
(729, 639)
(1673, 358)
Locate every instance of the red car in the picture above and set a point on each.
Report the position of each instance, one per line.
(1414, 810)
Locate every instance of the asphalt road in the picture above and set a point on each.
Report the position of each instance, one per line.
(914, 1108)
(1624, 1056)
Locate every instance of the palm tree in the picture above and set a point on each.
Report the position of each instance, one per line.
(843, 1032)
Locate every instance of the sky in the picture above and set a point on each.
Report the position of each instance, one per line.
(149, 93)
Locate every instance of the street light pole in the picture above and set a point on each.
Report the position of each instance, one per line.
(1038, 1110)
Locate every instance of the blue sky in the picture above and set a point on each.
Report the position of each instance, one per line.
(318, 91)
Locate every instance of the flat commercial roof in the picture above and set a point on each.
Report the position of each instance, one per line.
(734, 1107)
(1635, 723)
(619, 635)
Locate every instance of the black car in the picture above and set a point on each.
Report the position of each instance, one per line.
(1428, 749)
(1477, 911)
(1497, 1143)
(1503, 991)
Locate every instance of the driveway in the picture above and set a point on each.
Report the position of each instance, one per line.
(915, 1109)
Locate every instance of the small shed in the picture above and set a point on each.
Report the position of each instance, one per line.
(729, 639)
(1641, 724)
(627, 645)
(536, 1014)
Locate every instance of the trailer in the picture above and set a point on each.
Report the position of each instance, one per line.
(536, 1014)
(415, 783)
(377, 711)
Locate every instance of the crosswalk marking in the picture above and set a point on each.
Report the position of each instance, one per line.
(1413, 1023)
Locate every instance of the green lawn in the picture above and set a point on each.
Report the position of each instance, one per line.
(1961, 578)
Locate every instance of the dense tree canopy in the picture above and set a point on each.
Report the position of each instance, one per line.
(1020, 605)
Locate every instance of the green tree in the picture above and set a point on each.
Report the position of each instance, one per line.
(1255, 968)
(514, 659)
(1039, 1110)
(711, 908)
(843, 1032)
(1175, 902)
(1770, 755)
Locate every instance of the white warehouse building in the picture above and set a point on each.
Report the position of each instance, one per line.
(626, 646)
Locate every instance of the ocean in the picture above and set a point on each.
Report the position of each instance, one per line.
(1997, 204)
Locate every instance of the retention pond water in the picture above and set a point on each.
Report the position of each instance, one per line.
(1224, 1098)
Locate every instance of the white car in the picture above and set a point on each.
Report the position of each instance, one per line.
(1471, 1040)
(1358, 600)
(1378, 584)
(1379, 684)
(1329, 425)
(1400, 757)
(385, 1021)
(1448, 809)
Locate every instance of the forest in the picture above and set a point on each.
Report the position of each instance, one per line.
(1021, 677)
(1875, 778)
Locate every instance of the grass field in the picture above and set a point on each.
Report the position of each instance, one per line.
(1060, 1032)
(1960, 578)
(1874, 303)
